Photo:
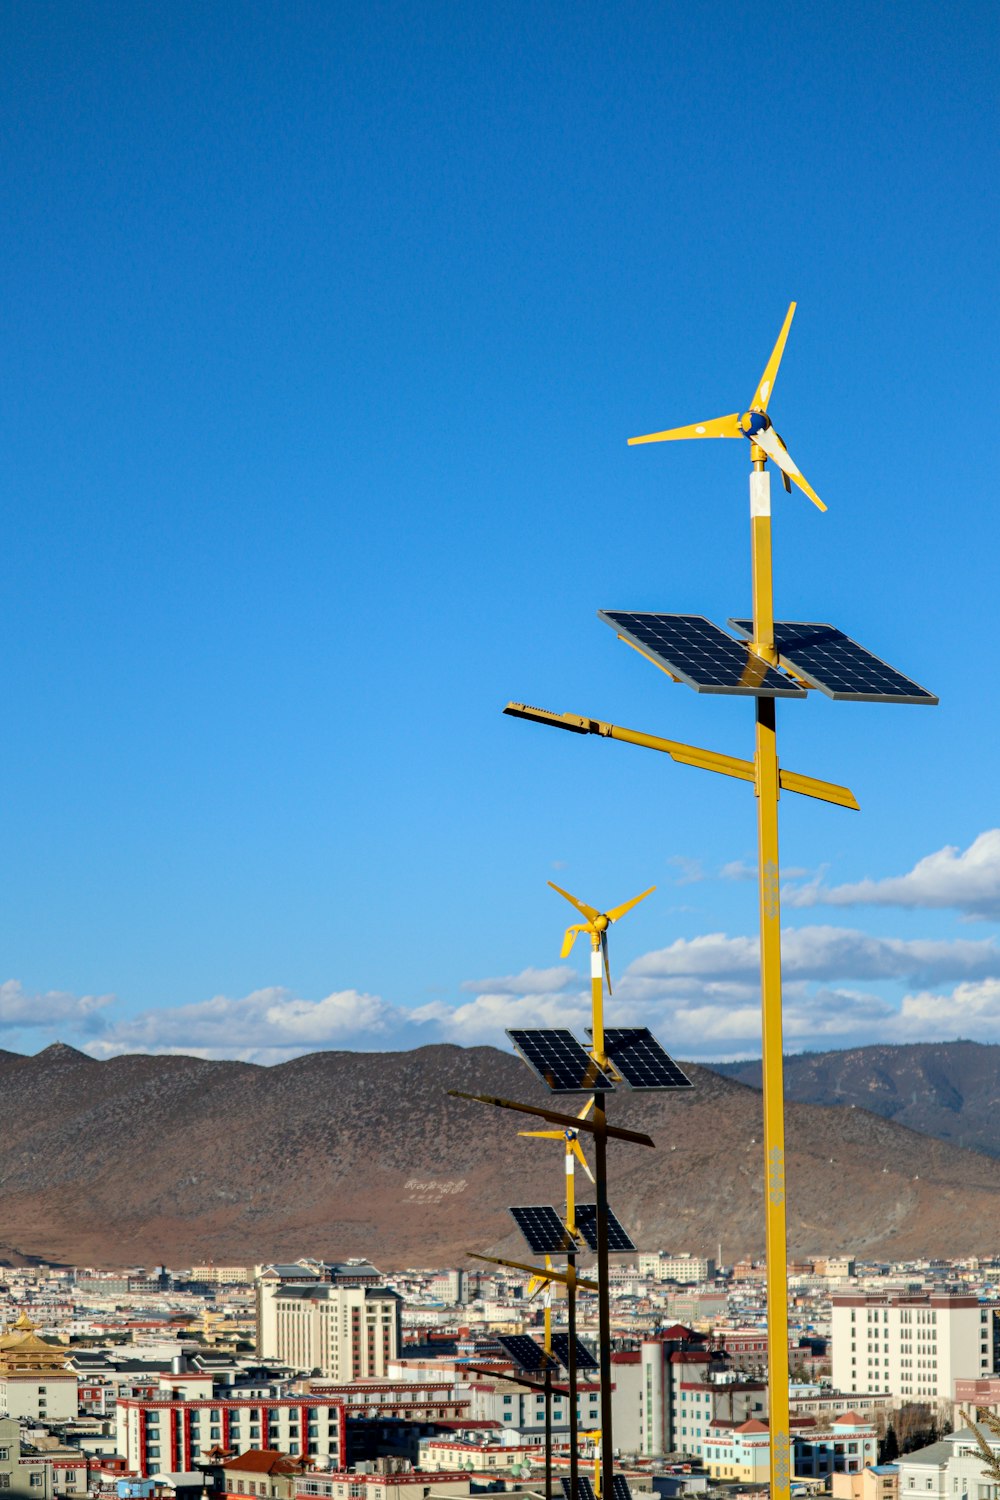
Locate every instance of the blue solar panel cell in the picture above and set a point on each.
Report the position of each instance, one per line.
(831, 661)
(697, 652)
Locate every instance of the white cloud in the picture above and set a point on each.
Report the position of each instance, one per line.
(820, 953)
(269, 1021)
(22, 1008)
(722, 1025)
(969, 1010)
(537, 981)
(964, 880)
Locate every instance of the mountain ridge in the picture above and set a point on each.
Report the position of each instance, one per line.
(149, 1159)
(949, 1090)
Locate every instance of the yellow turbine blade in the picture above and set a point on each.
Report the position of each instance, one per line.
(577, 1151)
(619, 911)
(581, 906)
(545, 1135)
(717, 427)
(765, 388)
(776, 450)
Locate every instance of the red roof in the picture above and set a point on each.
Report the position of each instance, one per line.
(752, 1425)
(264, 1461)
(851, 1419)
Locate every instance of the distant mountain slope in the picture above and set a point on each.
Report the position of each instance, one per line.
(147, 1159)
(946, 1089)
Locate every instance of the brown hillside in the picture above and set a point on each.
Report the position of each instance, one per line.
(146, 1159)
(946, 1089)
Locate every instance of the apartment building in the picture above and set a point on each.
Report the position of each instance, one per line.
(877, 1482)
(742, 1451)
(949, 1468)
(222, 1275)
(913, 1346)
(173, 1434)
(512, 1406)
(683, 1268)
(669, 1391)
(21, 1478)
(400, 1486)
(341, 1332)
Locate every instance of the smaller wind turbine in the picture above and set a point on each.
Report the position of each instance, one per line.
(596, 924)
(754, 424)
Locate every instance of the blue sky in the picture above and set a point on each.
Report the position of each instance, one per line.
(325, 329)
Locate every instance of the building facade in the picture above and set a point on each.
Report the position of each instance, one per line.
(669, 1391)
(34, 1380)
(341, 1332)
(949, 1470)
(25, 1479)
(174, 1435)
(912, 1346)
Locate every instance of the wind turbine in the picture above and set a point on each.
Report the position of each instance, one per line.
(754, 424)
(596, 924)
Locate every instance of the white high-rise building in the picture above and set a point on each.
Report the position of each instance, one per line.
(681, 1267)
(913, 1346)
(342, 1332)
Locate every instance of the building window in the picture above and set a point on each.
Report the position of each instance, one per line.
(4, 1481)
(36, 1481)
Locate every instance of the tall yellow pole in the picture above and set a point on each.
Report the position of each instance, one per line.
(766, 768)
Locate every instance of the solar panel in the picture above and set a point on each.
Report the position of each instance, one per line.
(544, 1230)
(560, 1061)
(586, 1222)
(700, 654)
(620, 1487)
(560, 1348)
(641, 1061)
(524, 1351)
(829, 660)
(584, 1488)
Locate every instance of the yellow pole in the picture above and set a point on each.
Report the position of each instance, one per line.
(766, 767)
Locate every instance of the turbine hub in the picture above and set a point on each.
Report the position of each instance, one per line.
(753, 422)
(601, 923)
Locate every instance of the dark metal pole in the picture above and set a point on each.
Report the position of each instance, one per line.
(571, 1371)
(603, 1293)
(548, 1432)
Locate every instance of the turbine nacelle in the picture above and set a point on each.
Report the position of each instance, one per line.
(753, 422)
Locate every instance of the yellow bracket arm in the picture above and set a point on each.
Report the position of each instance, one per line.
(543, 1275)
(687, 755)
